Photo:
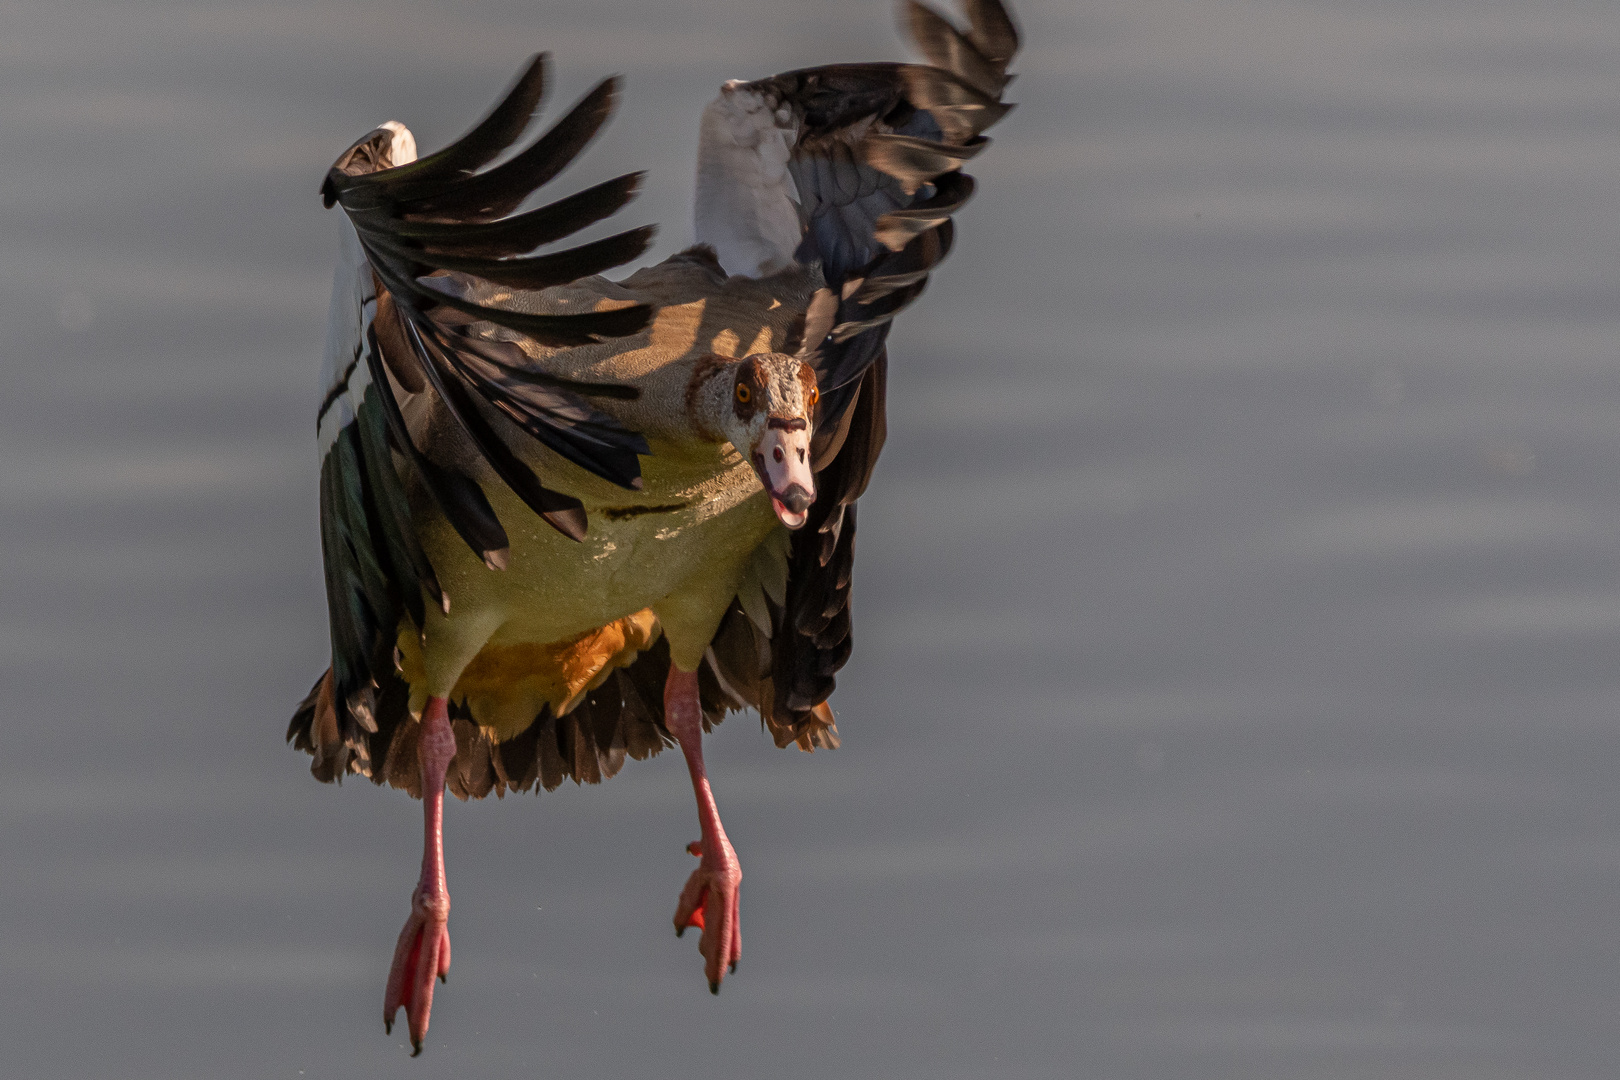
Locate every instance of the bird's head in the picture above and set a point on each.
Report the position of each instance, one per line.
(765, 406)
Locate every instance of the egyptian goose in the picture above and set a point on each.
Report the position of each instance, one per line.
(567, 520)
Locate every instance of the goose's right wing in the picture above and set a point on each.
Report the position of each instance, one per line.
(395, 320)
(418, 221)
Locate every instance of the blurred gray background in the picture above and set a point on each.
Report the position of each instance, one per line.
(1237, 609)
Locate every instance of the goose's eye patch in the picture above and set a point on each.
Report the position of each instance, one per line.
(744, 395)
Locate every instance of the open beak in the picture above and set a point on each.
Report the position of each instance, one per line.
(782, 460)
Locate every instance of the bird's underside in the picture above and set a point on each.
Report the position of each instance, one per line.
(566, 520)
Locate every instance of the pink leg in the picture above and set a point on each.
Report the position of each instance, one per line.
(709, 901)
(424, 945)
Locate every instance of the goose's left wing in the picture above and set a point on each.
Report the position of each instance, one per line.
(855, 169)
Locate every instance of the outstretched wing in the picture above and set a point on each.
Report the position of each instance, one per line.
(418, 221)
(395, 319)
(855, 168)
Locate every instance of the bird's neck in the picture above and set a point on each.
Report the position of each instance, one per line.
(708, 396)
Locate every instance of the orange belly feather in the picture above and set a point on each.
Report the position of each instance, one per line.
(506, 686)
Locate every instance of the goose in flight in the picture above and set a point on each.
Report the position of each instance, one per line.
(567, 520)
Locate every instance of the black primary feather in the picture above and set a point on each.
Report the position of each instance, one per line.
(497, 192)
(526, 231)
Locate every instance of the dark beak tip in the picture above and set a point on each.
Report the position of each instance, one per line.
(797, 499)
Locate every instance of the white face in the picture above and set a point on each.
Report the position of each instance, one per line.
(773, 405)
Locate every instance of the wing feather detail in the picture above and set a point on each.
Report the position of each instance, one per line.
(856, 169)
(418, 221)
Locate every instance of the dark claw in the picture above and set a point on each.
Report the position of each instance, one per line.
(680, 931)
(714, 988)
(445, 979)
(734, 967)
(388, 1027)
(418, 1051)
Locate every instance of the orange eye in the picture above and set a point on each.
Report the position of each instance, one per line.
(815, 396)
(744, 394)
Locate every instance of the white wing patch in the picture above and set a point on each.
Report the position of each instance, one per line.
(344, 375)
(747, 205)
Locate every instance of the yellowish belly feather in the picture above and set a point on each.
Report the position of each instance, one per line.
(565, 614)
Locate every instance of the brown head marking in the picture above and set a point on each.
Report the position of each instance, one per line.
(748, 390)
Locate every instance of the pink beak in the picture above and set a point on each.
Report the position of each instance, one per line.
(782, 460)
